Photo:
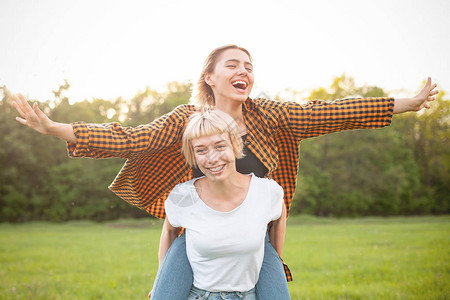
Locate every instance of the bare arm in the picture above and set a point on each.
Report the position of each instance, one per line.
(421, 100)
(34, 118)
(277, 232)
(168, 235)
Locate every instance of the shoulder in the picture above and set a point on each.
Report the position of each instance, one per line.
(175, 120)
(184, 109)
(268, 110)
(269, 195)
(268, 185)
(183, 194)
(182, 112)
(267, 104)
(281, 106)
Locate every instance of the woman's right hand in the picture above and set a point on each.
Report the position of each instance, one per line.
(34, 118)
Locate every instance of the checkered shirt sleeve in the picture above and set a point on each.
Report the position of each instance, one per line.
(154, 162)
(320, 117)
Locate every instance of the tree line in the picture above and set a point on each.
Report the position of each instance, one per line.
(399, 170)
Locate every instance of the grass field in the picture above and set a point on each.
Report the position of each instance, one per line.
(369, 258)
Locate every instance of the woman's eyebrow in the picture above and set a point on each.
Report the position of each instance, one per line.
(238, 61)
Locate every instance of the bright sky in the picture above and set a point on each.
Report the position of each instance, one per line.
(107, 49)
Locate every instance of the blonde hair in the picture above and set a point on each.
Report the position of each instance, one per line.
(204, 96)
(210, 122)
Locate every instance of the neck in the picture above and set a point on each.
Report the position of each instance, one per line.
(234, 110)
(229, 186)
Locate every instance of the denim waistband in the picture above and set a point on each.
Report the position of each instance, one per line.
(199, 294)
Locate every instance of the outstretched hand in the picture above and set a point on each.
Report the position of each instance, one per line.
(416, 103)
(425, 96)
(32, 117)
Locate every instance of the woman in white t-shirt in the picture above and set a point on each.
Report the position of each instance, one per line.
(225, 213)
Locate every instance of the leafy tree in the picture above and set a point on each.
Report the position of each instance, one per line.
(360, 172)
(427, 134)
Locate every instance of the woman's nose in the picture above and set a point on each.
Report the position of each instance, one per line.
(241, 70)
(212, 157)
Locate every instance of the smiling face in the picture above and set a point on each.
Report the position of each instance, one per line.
(232, 78)
(214, 156)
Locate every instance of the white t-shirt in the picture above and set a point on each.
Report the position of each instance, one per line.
(225, 249)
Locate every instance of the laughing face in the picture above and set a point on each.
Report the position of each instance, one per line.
(232, 79)
(214, 155)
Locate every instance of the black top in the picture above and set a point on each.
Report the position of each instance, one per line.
(246, 165)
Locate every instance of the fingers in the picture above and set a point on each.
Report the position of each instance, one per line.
(29, 116)
(17, 107)
(22, 121)
(433, 91)
(15, 102)
(21, 105)
(36, 109)
(426, 88)
(428, 85)
(430, 89)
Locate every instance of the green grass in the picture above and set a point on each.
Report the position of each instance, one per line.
(369, 258)
(373, 258)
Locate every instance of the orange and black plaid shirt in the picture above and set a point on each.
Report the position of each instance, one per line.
(155, 164)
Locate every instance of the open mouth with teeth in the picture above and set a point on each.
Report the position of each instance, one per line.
(241, 85)
(217, 169)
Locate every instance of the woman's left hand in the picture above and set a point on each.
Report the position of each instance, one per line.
(425, 96)
(421, 100)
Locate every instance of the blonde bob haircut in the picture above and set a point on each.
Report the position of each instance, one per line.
(210, 122)
(204, 96)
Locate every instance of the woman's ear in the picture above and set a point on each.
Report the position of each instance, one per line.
(208, 79)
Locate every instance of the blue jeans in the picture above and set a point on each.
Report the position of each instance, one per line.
(174, 279)
(198, 294)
